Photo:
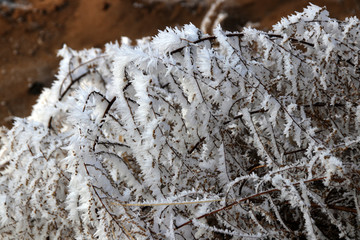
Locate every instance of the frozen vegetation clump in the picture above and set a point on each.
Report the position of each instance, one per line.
(238, 135)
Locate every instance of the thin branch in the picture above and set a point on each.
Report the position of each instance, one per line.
(240, 201)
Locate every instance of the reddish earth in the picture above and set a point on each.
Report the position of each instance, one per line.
(31, 37)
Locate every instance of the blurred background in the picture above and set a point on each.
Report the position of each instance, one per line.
(32, 31)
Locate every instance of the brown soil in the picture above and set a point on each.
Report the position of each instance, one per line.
(31, 37)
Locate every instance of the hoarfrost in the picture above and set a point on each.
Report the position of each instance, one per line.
(242, 135)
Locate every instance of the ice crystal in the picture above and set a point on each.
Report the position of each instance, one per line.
(238, 135)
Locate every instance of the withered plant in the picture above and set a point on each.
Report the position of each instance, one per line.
(237, 135)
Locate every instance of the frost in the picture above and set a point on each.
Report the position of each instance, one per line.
(248, 135)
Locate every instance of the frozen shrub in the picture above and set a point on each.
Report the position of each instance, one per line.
(234, 136)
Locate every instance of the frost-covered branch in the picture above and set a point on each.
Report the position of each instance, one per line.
(247, 134)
